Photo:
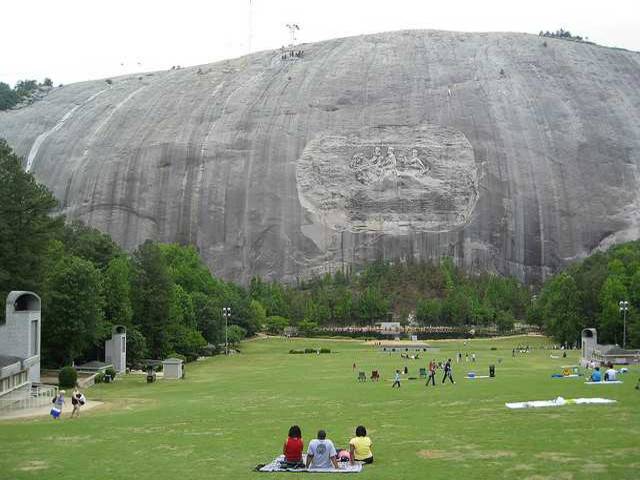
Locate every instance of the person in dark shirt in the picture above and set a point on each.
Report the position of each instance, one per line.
(447, 372)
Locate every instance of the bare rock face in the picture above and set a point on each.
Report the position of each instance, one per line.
(494, 149)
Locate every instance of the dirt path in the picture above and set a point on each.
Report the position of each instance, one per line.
(44, 411)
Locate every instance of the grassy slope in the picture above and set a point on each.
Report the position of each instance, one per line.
(232, 413)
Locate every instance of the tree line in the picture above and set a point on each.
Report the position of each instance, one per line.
(10, 97)
(171, 304)
(587, 294)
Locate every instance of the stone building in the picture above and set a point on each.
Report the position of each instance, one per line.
(20, 352)
(115, 349)
(592, 351)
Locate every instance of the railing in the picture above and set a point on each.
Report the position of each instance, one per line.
(37, 396)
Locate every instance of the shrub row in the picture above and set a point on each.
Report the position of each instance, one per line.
(310, 350)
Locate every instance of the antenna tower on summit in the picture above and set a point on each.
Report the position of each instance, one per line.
(293, 28)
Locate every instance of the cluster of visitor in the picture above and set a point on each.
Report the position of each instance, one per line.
(466, 357)
(322, 453)
(77, 401)
(610, 375)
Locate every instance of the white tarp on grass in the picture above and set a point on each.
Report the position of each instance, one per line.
(612, 382)
(558, 402)
(345, 467)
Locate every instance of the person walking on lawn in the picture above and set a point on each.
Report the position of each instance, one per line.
(432, 373)
(396, 379)
(447, 372)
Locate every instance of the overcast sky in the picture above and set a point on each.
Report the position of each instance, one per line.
(74, 40)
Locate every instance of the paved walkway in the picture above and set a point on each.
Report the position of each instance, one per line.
(44, 411)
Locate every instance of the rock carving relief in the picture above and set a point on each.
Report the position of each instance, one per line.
(390, 179)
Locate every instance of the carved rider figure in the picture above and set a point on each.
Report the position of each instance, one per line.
(415, 163)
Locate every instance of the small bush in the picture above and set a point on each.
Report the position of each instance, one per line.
(67, 377)
(494, 348)
(99, 378)
(111, 372)
(325, 350)
(309, 350)
(109, 81)
(295, 352)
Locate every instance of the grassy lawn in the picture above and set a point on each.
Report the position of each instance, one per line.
(233, 413)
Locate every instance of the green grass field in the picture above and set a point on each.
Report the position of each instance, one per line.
(230, 414)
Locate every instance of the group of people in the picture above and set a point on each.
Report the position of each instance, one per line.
(609, 375)
(322, 453)
(466, 357)
(431, 378)
(77, 401)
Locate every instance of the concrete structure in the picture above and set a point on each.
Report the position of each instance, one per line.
(604, 354)
(389, 327)
(589, 343)
(503, 151)
(404, 347)
(94, 367)
(20, 332)
(20, 353)
(172, 368)
(115, 349)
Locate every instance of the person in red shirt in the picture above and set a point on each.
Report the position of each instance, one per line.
(293, 447)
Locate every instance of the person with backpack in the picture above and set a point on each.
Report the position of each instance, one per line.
(447, 372)
(77, 400)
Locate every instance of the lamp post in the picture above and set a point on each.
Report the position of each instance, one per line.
(226, 313)
(624, 308)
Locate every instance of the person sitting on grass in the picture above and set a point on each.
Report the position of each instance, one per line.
(596, 376)
(360, 446)
(292, 448)
(321, 452)
(610, 374)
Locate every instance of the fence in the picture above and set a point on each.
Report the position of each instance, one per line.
(38, 396)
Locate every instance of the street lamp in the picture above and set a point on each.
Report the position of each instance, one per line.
(624, 308)
(226, 313)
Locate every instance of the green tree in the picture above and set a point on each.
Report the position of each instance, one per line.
(8, 97)
(73, 304)
(610, 326)
(560, 301)
(258, 314)
(235, 334)
(208, 317)
(136, 346)
(372, 306)
(152, 296)
(26, 226)
(89, 243)
(276, 324)
(308, 328)
(25, 88)
(428, 311)
(117, 292)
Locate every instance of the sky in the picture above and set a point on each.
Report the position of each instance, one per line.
(75, 40)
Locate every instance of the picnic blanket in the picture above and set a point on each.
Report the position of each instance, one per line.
(558, 402)
(476, 376)
(604, 382)
(559, 375)
(345, 467)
